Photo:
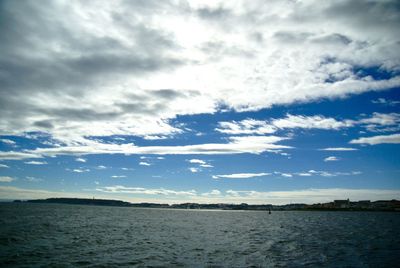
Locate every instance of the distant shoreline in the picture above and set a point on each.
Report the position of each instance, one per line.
(336, 205)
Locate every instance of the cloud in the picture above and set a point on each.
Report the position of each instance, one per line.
(144, 164)
(33, 179)
(36, 163)
(125, 168)
(236, 145)
(247, 126)
(381, 139)
(145, 191)
(212, 193)
(331, 158)
(11, 155)
(8, 141)
(197, 161)
(201, 163)
(3, 166)
(308, 122)
(101, 167)
(379, 122)
(6, 179)
(118, 176)
(387, 102)
(343, 149)
(240, 175)
(251, 126)
(206, 165)
(194, 170)
(308, 196)
(83, 160)
(133, 68)
(79, 170)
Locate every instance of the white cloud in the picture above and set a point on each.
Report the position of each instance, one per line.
(201, 163)
(83, 160)
(79, 170)
(11, 155)
(251, 126)
(379, 122)
(212, 193)
(386, 102)
(118, 176)
(284, 174)
(104, 76)
(144, 164)
(304, 174)
(308, 196)
(194, 170)
(308, 122)
(331, 158)
(8, 141)
(206, 165)
(339, 149)
(393, 138)
(145, 191)
(236, 145)
(125, 168)
(6, 179)
(101, 167)
(36, 163)
(33, 179)
(247, 126)
(3, 166)
(197, 161)
(240, 175)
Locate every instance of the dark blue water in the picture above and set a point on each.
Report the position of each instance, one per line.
(50, 235)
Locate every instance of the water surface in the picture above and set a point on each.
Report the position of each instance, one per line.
(41, 235)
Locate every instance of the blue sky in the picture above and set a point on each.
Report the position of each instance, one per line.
(167, 102)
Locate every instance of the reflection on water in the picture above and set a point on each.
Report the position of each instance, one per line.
(34, 235)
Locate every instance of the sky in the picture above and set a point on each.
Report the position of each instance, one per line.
(259, 102)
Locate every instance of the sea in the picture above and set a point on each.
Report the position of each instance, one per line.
(62, 235)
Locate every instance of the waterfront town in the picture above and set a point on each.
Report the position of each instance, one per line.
(341, 205)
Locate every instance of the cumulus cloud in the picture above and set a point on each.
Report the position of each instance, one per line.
(331, 158)
(381, 139)
(6, 179)
(83, 160)
(240, 175)
(3, 166)
(118, 176)
(144, 164)
(130, 70)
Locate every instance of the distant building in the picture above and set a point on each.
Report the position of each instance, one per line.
(341, 203)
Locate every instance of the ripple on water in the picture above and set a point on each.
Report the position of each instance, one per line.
(84, 236)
